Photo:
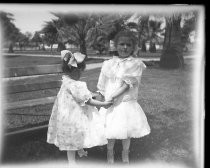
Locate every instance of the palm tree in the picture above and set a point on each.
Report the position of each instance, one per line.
(172, 56)
(154, 33)
(189, 25)
(74, 28)
(143, 31)
(85, 30)
(104, 30)
(23, 41)
(52, 35)
(37, 39)
(10, 31)
(112, 23)
(140, 24)
(99, 44)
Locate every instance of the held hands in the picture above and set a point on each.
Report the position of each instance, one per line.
(98, 96)
(107, 104)
(100, 99)
(110, 99)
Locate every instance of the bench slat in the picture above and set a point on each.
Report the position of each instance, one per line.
(27, 130)
(33, 87)
(30, 103)
(33, 70)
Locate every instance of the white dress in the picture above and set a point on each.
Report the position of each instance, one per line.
(125, 119)
(73, 125)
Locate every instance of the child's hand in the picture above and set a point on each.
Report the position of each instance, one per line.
(107, 104)
(110, 99)
(97, 96)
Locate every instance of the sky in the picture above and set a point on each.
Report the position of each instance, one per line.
(29, 18)
(31, 22)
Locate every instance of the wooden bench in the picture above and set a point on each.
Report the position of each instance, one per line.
(28, 79)
(31, 88)
(21, 84)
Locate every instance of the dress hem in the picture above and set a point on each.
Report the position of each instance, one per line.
(75, 149)
(140, 136)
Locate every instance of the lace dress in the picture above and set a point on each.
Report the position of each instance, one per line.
(73, 125)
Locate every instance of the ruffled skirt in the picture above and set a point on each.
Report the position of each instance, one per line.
(125, 120)
(76, 129)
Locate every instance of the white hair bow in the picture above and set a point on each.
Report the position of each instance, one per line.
(75, 58)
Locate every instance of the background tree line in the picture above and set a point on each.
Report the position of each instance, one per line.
(94, 30)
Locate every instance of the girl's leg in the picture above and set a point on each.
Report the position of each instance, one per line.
(71, 157)
(110, 152)
(125, 152)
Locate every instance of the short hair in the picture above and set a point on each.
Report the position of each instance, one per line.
(126, 33)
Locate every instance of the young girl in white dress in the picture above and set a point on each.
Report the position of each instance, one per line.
(119, 82)
(74, 124)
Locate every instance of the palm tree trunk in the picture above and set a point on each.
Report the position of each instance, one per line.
(83, 48)
(152, 47)
(51, 48)
(43, 48)
(141, 29)
(172, 56)
(11, 48)
(61, 46)
(143, 46)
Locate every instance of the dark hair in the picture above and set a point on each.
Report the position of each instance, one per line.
(67, 69)
(125, 33)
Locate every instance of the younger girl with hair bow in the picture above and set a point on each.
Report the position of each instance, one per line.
(75, 123)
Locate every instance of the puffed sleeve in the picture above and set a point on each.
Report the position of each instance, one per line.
(80, 92)
(132, 74)
(102, 79)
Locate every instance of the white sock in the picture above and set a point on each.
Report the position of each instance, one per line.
(81, 152)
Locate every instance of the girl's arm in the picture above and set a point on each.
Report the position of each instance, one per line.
(102, 79)
(120, 91)
(93, 102)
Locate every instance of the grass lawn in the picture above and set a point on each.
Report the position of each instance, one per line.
(91, 52)
(164, 95)
(20, 61)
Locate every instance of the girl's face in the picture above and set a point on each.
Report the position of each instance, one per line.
(124, 47)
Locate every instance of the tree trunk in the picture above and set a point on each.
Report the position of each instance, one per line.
(83, 48)
(152, 47)
(143, 46)
(37, 44)
(20, 46)
(172, 56)
(43, 48)
(142, 26)
(51, 48)
(61, 46)
(10, 48)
